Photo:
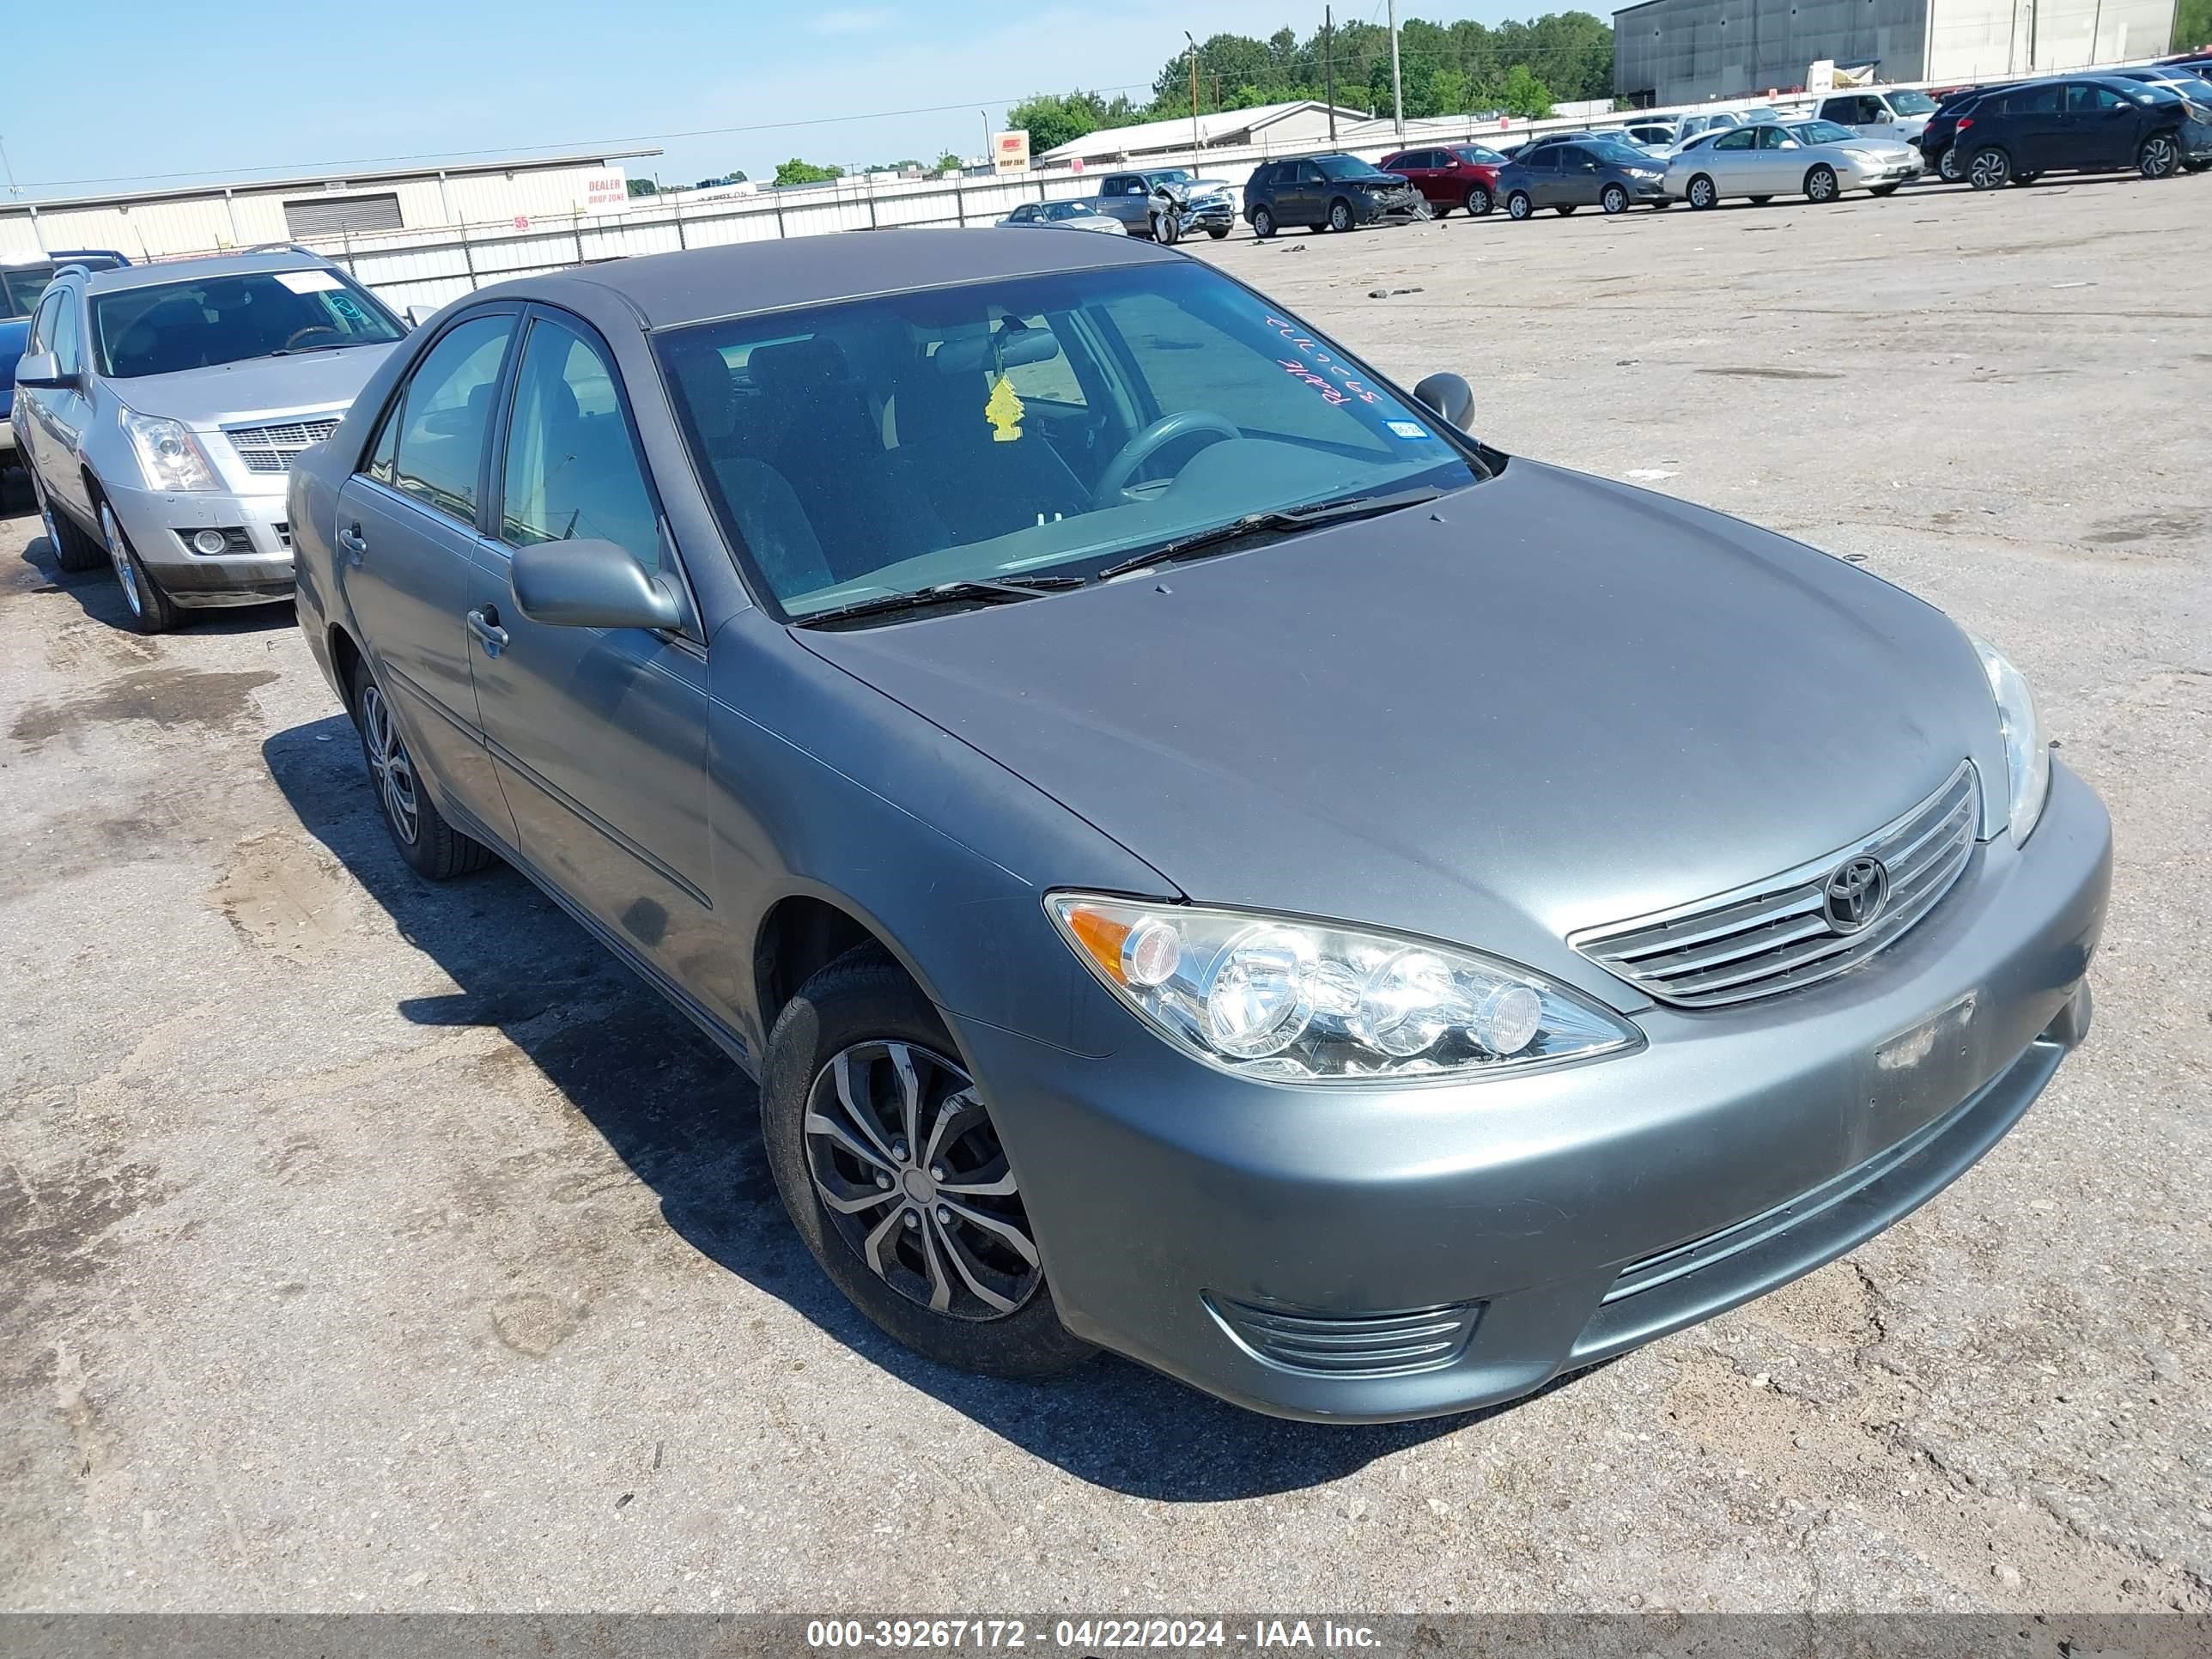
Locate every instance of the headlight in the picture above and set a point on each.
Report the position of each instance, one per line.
(1307, 1002)
(2028, 760)
(168, 454)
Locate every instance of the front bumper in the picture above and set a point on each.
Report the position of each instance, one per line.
(1274, 1245)
(1870, 176)
(160, 523)
(1398, 207)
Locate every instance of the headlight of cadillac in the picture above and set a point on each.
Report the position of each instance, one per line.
(1300, 1001)
(168, 455)
(2027, 758)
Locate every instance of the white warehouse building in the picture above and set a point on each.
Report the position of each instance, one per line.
(154, 224)
(1684, 51)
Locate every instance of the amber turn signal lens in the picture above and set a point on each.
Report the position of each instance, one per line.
(1101, 938)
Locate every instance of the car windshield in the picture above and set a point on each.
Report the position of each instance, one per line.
(1478, 155)
(168, 326)
(1343, 167)
(1908, 102)
(1618, 151)
(1168, 176)
(20, 285)
(1002, 430)
(1822, 132)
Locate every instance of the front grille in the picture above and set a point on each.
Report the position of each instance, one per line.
(271, 448)
(1775, 935)
(1350, 1345)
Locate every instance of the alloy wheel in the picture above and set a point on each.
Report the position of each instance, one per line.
(1820, 185)
(388, 762)
(1478, 201)
(2159, 153)
(1518, 206)
(1615, 199)
(909, 1167)
(1947, 168)
(1702, 194)
(118, 555)
(1340, 217)
(1990, 169)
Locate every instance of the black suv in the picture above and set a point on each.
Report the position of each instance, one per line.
(1339, 191)
(2086, 124)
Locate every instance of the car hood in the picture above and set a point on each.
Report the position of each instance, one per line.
(259, 388)
(1547, 704)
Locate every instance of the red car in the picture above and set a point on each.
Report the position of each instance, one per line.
(1450, 176)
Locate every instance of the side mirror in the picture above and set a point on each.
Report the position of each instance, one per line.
(418, 315)
(1450, 395)
(39, 368)
(589, 584)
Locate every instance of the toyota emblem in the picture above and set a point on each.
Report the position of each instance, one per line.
(1855, 894)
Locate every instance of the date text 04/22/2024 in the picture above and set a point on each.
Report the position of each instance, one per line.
(1095, 1634)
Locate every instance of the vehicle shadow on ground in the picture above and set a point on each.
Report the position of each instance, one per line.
(102, 600)
(682, 1117)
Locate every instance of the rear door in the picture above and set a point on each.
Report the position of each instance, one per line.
(2034, 128)
(406, 544)
(1543, 168)
(599, 734)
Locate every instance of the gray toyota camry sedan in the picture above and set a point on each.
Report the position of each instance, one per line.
(1203, 857)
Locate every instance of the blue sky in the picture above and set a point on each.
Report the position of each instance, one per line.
(153, 91)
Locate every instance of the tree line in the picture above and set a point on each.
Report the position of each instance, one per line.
(1463, 68)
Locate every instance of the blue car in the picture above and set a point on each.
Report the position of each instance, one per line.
(22, 283)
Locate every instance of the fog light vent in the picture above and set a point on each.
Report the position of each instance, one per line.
(1349, 1345)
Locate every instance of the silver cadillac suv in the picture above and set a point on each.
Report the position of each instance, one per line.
(158, 409)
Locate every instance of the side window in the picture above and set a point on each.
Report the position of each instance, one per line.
(1309, 174)
(386, 445)
(1770, 137)
(1837, 109)
(572, 471)
(64, 346)
(2085, 100)
(42, 324)
(1741, 138)
(2038, 101)
(444, 414)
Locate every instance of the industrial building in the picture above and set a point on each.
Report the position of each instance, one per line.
(1277, 125)
(1685, 52)
(153, 224)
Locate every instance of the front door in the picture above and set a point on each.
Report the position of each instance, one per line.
(1732, 159)
(2098, 127)
(406, 544)
(599, 734)
(1781, 160)
(61, 411)
(1580, 177)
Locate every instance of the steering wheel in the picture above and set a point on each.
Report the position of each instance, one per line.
(1141, 448)
(300, 334)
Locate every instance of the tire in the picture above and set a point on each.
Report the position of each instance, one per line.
(1614, 199)
(1340, 216)
(1166, 232)
(146, 607)
(73, 549)
(433, 849)
(1565, 211)
(1704, 192)
(1989, 169)
(1478, 201)
(1760, 201)
(2160, 156)
(1263, 223)
(1219, 233)
(1948, 168)
(1885, 190)
(860, 1051)
(1819, 185)
(1518, 206)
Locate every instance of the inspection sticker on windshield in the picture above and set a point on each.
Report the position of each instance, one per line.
(308, 281)
(1408, 428)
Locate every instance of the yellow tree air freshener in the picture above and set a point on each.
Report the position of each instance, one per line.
(1004, 411)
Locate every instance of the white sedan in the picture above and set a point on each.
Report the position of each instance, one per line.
(1770, 160)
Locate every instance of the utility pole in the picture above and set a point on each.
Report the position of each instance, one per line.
(1194, 98)
(1328, 66)
(8, 167)
(1397, 87)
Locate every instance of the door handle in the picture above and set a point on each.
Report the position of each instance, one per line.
(355, 544)
(484, 624)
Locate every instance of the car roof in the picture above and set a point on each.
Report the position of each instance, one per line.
(667, 290)
(185, 271)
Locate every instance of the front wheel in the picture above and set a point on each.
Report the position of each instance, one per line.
(1340, 216)
(151, 611)
(1615, 200)
(1477, 201)
(1704, 193)
(1518, 206)
(1989, 169)
(2159, 157)
(1263, 223)
(891, 1169)
(1166, 231)
(1819, 185)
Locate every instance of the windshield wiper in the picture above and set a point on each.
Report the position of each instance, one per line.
(983, 591)
(1281, 521)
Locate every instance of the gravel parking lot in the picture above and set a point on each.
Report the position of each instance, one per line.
(373, 1245)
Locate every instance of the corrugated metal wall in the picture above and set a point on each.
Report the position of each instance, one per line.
(1970, 39)
(1685, 50)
